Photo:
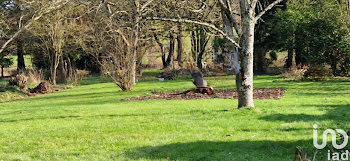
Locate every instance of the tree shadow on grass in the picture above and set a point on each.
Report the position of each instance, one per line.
(219, 150)
(337, 113)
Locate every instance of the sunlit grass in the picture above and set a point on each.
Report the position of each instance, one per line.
(27, 60)
(91, 122)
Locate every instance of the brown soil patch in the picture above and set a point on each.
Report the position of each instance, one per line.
(43, 88)
(259, 93)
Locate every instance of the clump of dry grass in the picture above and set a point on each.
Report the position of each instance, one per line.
(34, 76)
(77, 77)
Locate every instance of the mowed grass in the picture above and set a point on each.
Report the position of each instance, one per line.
(91, 122)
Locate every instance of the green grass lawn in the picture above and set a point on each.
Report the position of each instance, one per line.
(91, 122)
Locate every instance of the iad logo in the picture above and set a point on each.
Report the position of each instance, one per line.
(334, 138)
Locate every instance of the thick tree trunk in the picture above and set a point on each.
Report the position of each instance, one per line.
(179, 46)
(20, 56)
(244, 80)
(244, 70)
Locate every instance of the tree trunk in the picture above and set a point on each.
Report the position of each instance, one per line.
(299, 43)
(289, 61)
(133, 73)
(20, 56)
(244, 80)
(333, 62)
(62, 72)
(171, 50)
(2, 71)
(194, 46)
(139, 66)
(244, 70)
(53, 76)
(69, 68)
(161, 49)
(200, 61)
(53, 68)
(134, 53)
(260, 61)
(179, 47)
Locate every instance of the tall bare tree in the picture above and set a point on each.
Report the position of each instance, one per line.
(117, 40)
(238, 19)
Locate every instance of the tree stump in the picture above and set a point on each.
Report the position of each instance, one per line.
(201, 85)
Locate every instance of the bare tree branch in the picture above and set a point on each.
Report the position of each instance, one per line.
(267, 9)
(123, 37)
(254, 2)
(225, 6)
(198, 23)
(54, 7)
(204, 5)
(146, 4)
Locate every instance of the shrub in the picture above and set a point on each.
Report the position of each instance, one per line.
(318, 72)
(295, 72)
(34, 76)
(20, 80)
(76, 77)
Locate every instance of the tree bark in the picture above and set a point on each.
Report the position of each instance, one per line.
(62, 72)
(53, 76)
(139, 66)
(244, 80)
(203, 41)
(171, 50)
(200, 60)
(136, 41)
(260, 61)
(179, 47)
(289, 61)
(133, 73)
(53, 67)
(2, 71)
(20, 56)
(69, 68)
(161, 49)
(194, 45)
